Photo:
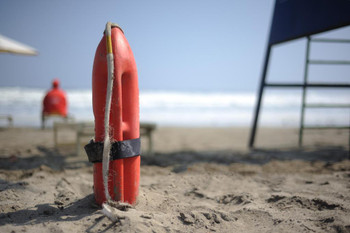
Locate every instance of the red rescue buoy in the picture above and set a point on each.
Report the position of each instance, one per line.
(55, 101)
(124, 126)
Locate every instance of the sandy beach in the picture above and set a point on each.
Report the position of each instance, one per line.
(198, 180)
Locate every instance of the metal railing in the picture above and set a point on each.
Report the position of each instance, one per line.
(306, 85)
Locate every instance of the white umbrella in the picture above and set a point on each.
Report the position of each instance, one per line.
(8, 45)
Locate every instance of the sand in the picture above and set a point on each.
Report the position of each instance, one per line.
(199, 180)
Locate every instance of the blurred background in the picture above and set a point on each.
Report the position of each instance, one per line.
(199, 62)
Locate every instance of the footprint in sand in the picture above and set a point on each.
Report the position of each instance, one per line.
(241, 199)
(283, 202)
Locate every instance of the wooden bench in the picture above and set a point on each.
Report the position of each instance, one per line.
(8, 118)
(146, 129)
(87, 129)
(65, 119)
(64, 125)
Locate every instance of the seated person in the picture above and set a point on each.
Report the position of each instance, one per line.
(54, 103)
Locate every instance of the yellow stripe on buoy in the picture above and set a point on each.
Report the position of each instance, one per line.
(109, 44)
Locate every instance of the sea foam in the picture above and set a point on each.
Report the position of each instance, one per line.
(193, 109)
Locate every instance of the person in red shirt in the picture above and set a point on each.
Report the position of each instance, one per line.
(54, 103)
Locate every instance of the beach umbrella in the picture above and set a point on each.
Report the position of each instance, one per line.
(8, 45)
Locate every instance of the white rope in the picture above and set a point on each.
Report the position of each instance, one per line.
(107, 142)
(109, 208)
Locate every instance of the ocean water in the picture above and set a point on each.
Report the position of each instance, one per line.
(190, 109)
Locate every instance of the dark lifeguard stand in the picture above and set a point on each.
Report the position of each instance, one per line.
(293, 19)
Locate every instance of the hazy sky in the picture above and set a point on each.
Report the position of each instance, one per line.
(178, 45)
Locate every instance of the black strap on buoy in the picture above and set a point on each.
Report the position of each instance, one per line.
(119, 150)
